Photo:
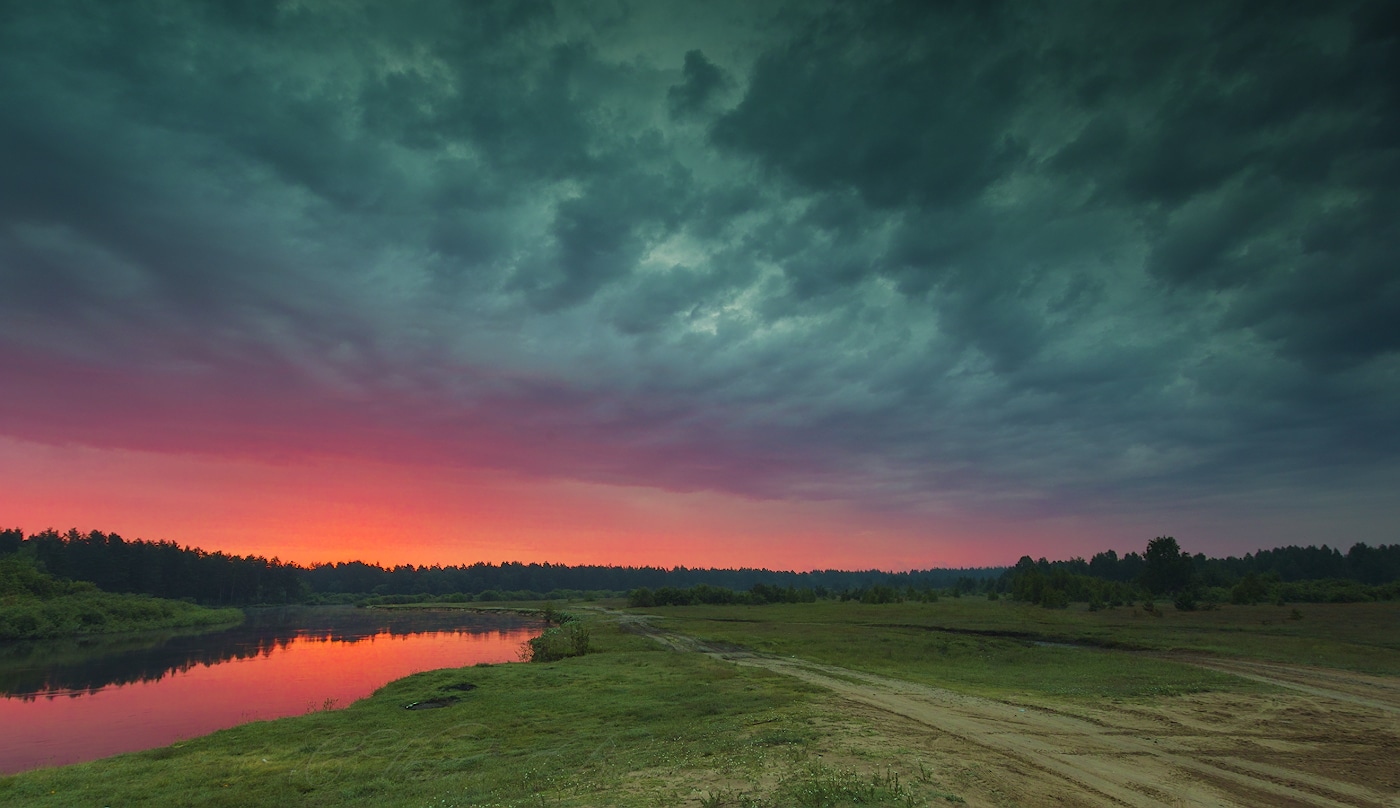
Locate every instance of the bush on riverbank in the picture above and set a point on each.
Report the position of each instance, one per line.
(568, 638)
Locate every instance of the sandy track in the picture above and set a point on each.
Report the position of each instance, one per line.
(1378, 692)
(1332, 739)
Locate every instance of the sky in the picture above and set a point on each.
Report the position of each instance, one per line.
(800, 285)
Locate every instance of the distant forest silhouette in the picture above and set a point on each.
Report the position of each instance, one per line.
(166, 569)
(1282, 575)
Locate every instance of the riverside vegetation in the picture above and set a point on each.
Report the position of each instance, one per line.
(35, 605)
(631, 723)
(627, 724)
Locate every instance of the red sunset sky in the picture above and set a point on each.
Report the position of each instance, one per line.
(776, 285)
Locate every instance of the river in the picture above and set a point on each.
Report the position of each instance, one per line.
(68, 701)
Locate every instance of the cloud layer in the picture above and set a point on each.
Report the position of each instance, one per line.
(1002, 257)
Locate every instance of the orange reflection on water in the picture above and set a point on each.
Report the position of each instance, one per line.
(308, 673)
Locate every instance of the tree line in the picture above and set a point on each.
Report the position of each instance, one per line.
(35, 605)
(893, 590)
(160, 568)
(166, 569)
(1285, 574)
(507, 580)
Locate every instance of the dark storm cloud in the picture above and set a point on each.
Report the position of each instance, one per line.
(905, 104)
(702, 81)
(1038, 258)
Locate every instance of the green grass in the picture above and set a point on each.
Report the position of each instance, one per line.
(104, 613)
(931, 642)
(629, 724)
(818, 786)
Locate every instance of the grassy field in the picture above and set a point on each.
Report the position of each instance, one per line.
(633, 724)
(1007, 649)
(630, 724)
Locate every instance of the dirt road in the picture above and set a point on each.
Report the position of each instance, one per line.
(1326, 738)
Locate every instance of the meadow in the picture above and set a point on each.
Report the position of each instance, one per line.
(636, 723)
(1005, 648)
(628, 724)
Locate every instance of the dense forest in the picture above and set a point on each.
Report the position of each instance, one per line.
(163, 569)
(166, 569)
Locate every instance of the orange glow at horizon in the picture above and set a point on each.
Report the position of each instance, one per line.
(355, 510)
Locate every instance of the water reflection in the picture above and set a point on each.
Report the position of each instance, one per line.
(74, 667)
(76, 700)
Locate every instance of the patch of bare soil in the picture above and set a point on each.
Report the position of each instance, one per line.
(1326, 738)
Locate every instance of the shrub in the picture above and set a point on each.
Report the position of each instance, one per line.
(1249, 590)
(881, 594)
(569, 638)
(1052, 598)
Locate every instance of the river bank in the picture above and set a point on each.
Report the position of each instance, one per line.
(826, 704)
(622, 725)
(37, 606)
(75, 700)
